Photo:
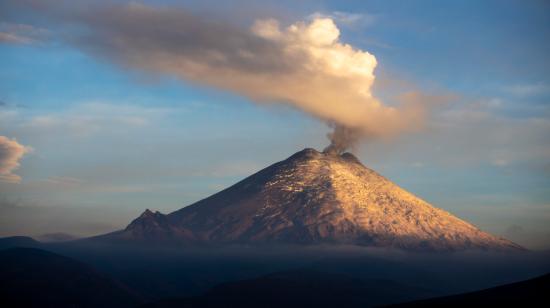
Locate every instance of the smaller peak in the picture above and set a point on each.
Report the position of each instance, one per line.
(147, 217)
(146, 213)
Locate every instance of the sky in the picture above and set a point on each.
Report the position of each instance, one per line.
(109, 108)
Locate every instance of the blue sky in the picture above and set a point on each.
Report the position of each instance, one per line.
(111, 140)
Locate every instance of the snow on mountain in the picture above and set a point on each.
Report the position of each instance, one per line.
(315, 198)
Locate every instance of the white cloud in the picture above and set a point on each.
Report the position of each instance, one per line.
(11, 153)
(88, 119)
(348, 19)
(499, 162)
(528, 90)
(13, 38)
(64, 181)
(11, 33)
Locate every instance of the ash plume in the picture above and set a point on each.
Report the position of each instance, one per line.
(342, 138)
(304, 64)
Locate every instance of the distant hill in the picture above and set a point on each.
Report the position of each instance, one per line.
(300, 288)
(56, 237)
(32, 277)
(18, 241)
(530, 293)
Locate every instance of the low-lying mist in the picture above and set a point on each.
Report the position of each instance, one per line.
(192, 270)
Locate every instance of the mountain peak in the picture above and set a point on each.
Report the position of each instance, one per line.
(315, 197)
(307, 153)
(146, 213)
(312, 154)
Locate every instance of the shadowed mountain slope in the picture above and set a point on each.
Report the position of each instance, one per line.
(32, 277)
(530, 293)
(300, 288)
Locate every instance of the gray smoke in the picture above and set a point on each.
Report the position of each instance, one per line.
(342, 138)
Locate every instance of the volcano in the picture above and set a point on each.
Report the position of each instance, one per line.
(314, 198)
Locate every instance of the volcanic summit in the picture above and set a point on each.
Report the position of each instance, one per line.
(314, 198)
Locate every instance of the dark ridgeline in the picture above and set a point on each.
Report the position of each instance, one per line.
(301, 288)
(530, 293)
(18, 241)
(31, 277)
(312, 289)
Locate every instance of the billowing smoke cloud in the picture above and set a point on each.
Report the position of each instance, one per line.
(11, 153)
(304, 64)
